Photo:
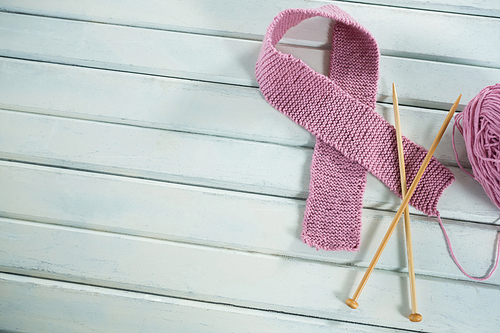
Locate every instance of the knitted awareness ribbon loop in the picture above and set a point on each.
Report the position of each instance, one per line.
(351, 137)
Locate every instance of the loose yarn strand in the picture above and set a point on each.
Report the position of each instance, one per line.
(479, 124)
(450, 248)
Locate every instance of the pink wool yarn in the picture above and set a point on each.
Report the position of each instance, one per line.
(351, 138)
(479, 124)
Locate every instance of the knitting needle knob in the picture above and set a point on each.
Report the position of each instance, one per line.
(354, 305)
(415, 317)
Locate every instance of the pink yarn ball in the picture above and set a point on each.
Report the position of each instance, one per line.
(480, 127)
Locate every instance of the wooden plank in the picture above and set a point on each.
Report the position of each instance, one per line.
(176, 157)
(180, 105)
(471, 7)
(429, 41)
(55, 306)
(215, 59)
(225, 219)
(156, 154)
(240, 278)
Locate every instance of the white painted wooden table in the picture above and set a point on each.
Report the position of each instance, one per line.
(145, 184)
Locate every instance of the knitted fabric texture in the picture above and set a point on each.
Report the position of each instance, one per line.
(351, 138)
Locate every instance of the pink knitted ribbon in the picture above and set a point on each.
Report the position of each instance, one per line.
(351, 137)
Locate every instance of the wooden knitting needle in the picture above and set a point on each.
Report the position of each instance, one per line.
(414, 316)
(352, 302)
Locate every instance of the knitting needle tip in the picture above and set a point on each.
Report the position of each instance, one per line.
(415, 317)
(352, 303)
